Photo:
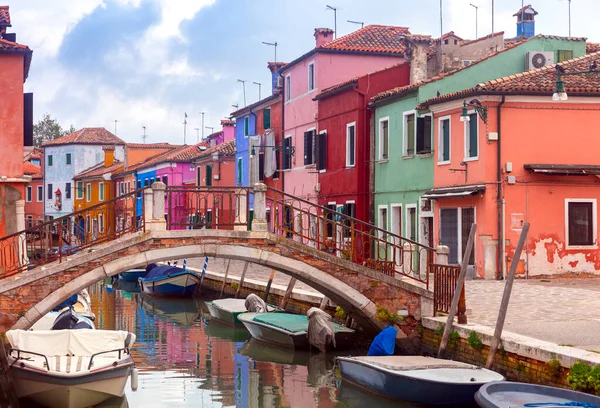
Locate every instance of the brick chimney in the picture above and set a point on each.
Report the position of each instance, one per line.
(109, 155)
(416, 55)
(274, 67)
(323, 36)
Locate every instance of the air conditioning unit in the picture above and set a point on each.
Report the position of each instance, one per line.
(280, 82)
(538, 59)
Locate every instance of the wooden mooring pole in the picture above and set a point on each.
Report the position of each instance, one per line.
(506, 297)
(225, 278)
(268, 289)
(457, 292)
(8, 396)
(239, 288)
(288, 293)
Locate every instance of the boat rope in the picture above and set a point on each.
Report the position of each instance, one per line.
(561, 404)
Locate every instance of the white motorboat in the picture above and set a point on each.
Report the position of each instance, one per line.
(82, 307)
(71, 368)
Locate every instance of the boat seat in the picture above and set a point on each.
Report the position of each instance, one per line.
(72, 364)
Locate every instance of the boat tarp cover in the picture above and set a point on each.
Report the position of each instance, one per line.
(384, 343)
(164, 271)
(69, 342)
(320, 329)
(290, 322)
(66, 303)
(403, 363)
(255, 304)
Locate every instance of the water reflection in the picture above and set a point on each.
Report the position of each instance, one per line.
(187, 360)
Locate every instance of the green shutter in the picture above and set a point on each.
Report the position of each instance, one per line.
(250, 218)
(209, 175)
(49, 160)
(564, 55)
(446, 139)
(267, 118)
(473, 122)
(246, 126)
(239, 171)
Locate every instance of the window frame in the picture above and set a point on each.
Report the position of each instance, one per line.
(383, 235)
(40, 194)
(269, 116)
(101, 223)
(431, 135)
(407, 221)
(440, 145)
(348, 126)
(29, 194)
(50, 160)
(594, 203)
(467, 135)
(380, 155)
(80, 193)
(286, 154)
(68, 195)
(101, 191)
(240, 167)
(319, 158)
(69, 159)
(50, 192)
(246, 126)
(311, 64)
(313, 147)
(405, 152)
(288, 87)
(88, 192)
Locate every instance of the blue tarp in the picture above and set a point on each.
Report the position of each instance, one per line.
(384, 343)
(150, 267)
(164, 271)
(66, 303)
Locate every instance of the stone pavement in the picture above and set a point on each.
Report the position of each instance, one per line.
(561, 311)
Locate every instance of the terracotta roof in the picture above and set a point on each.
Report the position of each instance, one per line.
(152, 146)
(591, 47)
(99, 170)
(227, 148)
(227, 122)
(32, 170)
(487, 37)
(371, 39)
(525, 8)
(248, 108)
(93, 136)
(131, 168)
(215, 134)
(332, 89)
(448, 34)
(540, 81)
(4, 16)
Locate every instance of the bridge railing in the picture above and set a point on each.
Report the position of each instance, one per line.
(54, 239)
(347, 237)
(445, 279)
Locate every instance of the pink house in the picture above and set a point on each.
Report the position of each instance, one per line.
(226, 133)
(369, 49)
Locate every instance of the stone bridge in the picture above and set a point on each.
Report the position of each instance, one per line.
(359, 288)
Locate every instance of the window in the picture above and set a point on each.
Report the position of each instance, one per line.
(330, 219)
(139, 186)
(199, 176)
(409, 134)
(29, 221)
(411, 222)
(424, 129)
(581, 222)
(146, 183)
(88, 223)
(261, 166)
(446, 42)
(471, 133)
(100, 191)
(383, 222)
(49, 160)
(309, 147)
(564, 55)
(246, 126)
(288, 88)
(29, 194)
(128, 186)
(311, 76)
(40, 194)
(239, 171)
(68, 191)
(88, 192)
(455, 225)
(444, 140)
(122, 188)
(208, 175)
(101, 222)
(287, 156)
(165, 180)
(49, 191)
(322, 151)
(384, 139)
(350, 211)
(68, 158)
(267, 118)
(79, 193)
(37, 162)
(350, 144)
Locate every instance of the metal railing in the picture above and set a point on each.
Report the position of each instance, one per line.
(54, 239)
(445, 278)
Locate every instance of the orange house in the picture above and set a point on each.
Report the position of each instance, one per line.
(536, 161)
(15, 127)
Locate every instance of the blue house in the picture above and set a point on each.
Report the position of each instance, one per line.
(245, 127)
(144, 177)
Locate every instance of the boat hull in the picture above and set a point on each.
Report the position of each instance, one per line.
(184, 284)
(72, 392)
(222, 315)
(400, 387)
(133, 275)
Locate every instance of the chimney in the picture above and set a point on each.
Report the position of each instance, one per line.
(274, 67)
(416, 55)
(323, 36)
(109, 155)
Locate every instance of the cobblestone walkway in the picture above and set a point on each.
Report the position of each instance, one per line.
(562, 311)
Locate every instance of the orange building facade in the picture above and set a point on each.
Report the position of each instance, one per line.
(534, 161)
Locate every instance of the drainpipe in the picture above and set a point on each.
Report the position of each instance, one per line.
(501, 257)
(282, 173)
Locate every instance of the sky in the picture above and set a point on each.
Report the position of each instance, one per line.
(148, 62)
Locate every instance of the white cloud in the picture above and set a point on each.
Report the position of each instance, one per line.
(180, 68)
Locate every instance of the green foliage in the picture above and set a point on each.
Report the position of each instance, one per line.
(440, 331)
(553, 368)
(454, 337)
(235, 285)
(340, 313)
(502, 351)
(47, 129)
(374, 284)
(384, 315)
(584, 378)
(474, 341)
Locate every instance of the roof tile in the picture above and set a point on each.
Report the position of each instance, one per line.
(4, 16)
(161, 145)
(94, 136)
(372, 38)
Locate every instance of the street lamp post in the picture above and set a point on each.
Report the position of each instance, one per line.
(478, 107)
(559, 92)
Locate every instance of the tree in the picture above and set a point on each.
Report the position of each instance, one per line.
(47, 129)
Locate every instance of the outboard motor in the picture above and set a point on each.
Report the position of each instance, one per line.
(255, 304)
(68, 320)
(320, 329)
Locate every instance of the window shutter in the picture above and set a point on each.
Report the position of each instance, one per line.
(322, 151)
(420, 135)
(308, 148)
(261, 166)
(473, 135)
(446, 138)
(239, 171)
(209, 175)
(287, 157)
(267, 118)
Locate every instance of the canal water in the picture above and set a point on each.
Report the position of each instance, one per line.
(186, 360)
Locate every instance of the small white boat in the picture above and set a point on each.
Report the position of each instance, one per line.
(423, 380)
(71, 368)
(520, 395)
(228, 310)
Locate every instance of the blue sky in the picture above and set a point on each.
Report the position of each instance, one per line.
(146, 62)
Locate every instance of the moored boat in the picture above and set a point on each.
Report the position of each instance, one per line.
(228, 310)
(423, 380)
(80, 304)
(288, 330)
(519, 395)
(165, 280)
(70, 368)
(132, 275)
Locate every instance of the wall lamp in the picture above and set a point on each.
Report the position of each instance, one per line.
(291, 149)
(478, 107)
(559, 93)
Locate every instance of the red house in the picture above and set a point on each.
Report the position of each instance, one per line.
(344, 140)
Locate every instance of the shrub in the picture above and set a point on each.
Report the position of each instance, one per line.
(553, 368)
(340, 313)
(474, 341)
(384, 315)
(584, 378)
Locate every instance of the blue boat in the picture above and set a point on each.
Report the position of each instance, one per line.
(133, 275)
(418, 379)
(166, 280)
